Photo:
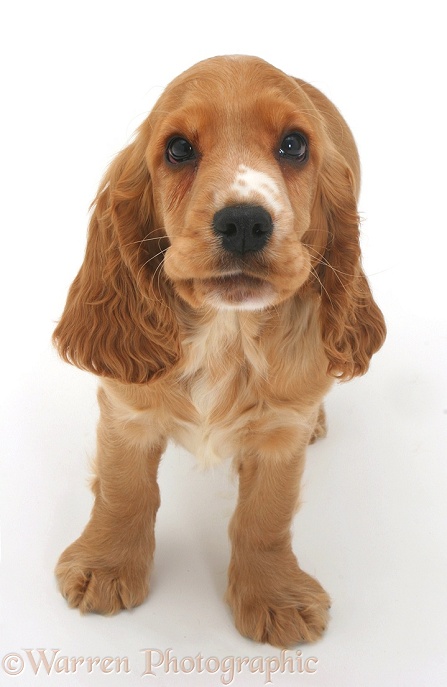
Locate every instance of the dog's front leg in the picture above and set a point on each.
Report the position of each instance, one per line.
(108, 567)
(272, 599)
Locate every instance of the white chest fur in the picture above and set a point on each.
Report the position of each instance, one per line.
(215, 379)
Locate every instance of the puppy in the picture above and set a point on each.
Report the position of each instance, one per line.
(220, 296)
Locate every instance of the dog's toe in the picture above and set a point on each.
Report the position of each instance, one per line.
(95, 586)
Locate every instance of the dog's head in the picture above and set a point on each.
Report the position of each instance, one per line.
(235, 152)
(239, 191)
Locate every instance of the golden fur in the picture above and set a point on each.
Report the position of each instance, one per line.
(230, 356)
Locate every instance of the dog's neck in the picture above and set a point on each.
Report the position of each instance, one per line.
(209, 336)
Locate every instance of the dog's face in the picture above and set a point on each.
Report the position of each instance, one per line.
(234, 155)
(239, 191)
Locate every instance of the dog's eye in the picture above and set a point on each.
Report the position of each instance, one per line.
(179, 150)
(294, 147)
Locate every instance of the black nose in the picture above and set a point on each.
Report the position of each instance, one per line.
(243, 228)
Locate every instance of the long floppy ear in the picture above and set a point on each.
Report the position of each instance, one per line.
(118, 320)
(352, 325)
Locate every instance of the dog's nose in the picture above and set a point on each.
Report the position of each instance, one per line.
(243, 228)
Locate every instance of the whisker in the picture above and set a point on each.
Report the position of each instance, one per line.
(147, 238)
(161, 252)
(327, 263)
(158, 273)
(322, 285)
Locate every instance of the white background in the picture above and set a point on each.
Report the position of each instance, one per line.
(77, 78)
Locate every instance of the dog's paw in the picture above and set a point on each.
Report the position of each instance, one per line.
(282, 616)
(95, 586)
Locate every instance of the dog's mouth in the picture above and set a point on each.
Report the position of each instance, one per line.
(238, 290)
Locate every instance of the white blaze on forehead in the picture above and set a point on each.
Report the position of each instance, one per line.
(249, 182)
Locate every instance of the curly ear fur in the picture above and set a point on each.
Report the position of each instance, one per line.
(117, 320)
(352, 325)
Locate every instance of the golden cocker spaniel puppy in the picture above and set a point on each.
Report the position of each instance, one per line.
(220, 296)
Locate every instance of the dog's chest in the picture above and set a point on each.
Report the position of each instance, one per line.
(220, 382)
